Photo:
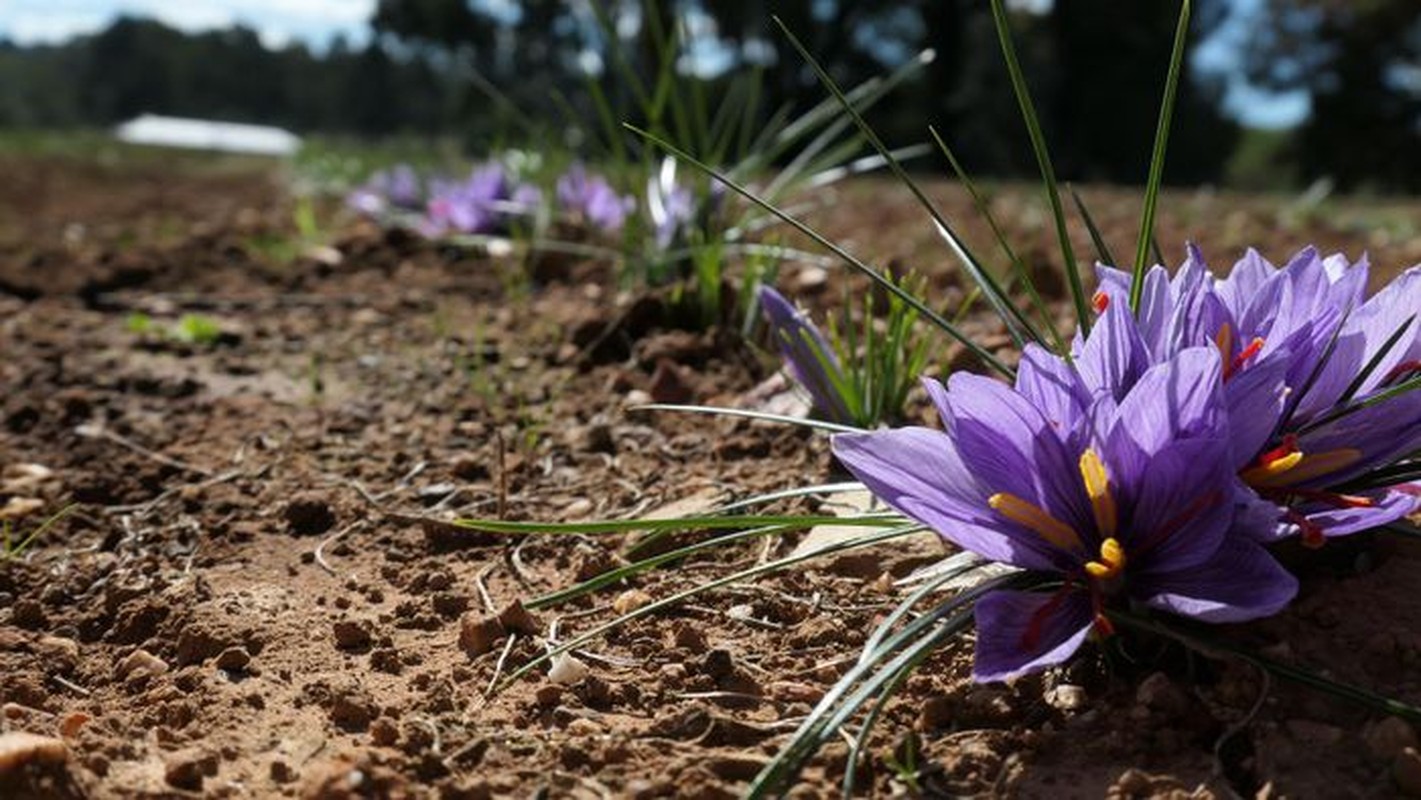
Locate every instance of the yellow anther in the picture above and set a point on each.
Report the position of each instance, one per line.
(1297, 468)
(1097, 487)
(1033, 517)
(1261, 474)
(1111, 563)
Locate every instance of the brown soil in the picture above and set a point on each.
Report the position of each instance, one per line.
(250, 599)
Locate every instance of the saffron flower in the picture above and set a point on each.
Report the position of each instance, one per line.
(1344, 362)
(592, 199)
(1128, 500)
(670, 206)
(808, 356)
(484, 203)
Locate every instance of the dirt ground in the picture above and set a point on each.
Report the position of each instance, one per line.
(253, 596)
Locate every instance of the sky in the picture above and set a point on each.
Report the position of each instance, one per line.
(318, 21)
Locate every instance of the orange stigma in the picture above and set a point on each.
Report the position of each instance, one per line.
(1100, 301)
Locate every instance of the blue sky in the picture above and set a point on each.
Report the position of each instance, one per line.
(318, 21)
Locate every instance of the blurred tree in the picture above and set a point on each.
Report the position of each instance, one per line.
(1360, 63)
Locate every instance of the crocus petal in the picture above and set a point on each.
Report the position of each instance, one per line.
(1375, 436)
(1011, 447)
(1179, 398)
(809, 357)
(1114, 355)
(1018, 632)
(1240, 582)
(918, 472)
(1183, 504)
(1255, 398)
(1053, 386)
(1389, 505)
(1244, 282)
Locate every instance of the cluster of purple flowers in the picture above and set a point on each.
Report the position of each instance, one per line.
(490, 199)
(1153, 467)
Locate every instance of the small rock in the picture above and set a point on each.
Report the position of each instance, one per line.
(629, 601)
(1388, 737)
(351, 634)
(309, 515)
(1406, 771)
(351, 712)
(234, 659)
(668, 385)
(186, 769)
(567, 670)
(477, 633)
(1066, 697)
(548, 695)
(141, 662)
(383, 733)
(811, 279)
(71, 723)
(19, 749)
(58, 650)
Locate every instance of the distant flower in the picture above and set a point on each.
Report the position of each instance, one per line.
(486, 202)
(1306, 360)
(807, 354)
(1126, 501)
(670, 206)
(395, 189)
(592, 198)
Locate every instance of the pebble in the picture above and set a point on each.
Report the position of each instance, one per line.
(1066, 697)
(19, 749)
(1406, 771)
(629, 601)
(141, 661)
(234, 659)
(567, 670)
(186, 769)
(351, 634)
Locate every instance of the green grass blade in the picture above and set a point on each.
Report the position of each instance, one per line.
(1375, 361)
(1166, 116)
(1043, 161)
(1102, 250)
(701, 522)
(873, 274)
(1023, 276)
(1017, 325)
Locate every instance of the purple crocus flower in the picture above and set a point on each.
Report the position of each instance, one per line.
(1128, 500)
(593, 199)
(1308, 328)
(807, 354)
(484, 203)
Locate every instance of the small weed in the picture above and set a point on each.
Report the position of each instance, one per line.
(13, 545)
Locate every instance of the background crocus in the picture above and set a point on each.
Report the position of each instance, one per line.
(592, 199)
(1129, 502)
(483, 203)
(1338, 358)
(808, 355)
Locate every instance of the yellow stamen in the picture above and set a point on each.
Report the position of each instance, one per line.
(1097, 486)
(1259, 475)
(1297, 468)
(1111, 563)
(1036, 519)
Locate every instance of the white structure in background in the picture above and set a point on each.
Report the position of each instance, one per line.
(202, 134)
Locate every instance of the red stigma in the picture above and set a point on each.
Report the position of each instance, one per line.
(1334, 499)
(1100, 301)
(1243, 356)
(1312, 535)
(1032, 635)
